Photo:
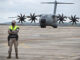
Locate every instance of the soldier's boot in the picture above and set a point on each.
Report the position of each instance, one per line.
(17, 56)
(9, 56)
(16, 51)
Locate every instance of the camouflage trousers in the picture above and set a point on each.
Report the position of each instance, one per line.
(12, 42)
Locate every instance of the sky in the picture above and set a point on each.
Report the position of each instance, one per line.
(12, 8)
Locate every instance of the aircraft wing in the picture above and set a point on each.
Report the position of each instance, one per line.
(38, 15)
(12, 17)
(28, 16)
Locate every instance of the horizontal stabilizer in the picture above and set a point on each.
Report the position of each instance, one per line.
(55, 3)
(64, 3)
(48, 2)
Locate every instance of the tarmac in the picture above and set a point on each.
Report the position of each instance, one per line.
(48, 43)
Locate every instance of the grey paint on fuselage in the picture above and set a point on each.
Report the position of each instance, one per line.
(50, 21)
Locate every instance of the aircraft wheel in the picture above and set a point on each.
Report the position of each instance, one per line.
(55, 26)
(43, 26)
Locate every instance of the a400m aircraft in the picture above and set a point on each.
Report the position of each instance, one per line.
(45, 19)
(50, 20)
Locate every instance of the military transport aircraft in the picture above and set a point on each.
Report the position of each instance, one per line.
(51, 19)
(45, 19)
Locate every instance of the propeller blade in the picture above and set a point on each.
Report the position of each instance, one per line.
(36, 19)
(33, 14)
(18, 16)
(29, 20)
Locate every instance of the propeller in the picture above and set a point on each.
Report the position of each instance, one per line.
(32, 17)
(21, 18)
(74, 19)
(61, 18)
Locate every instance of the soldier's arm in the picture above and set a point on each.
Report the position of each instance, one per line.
(10, 32)
(15, 32)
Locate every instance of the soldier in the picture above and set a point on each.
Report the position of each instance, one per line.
(13, 38)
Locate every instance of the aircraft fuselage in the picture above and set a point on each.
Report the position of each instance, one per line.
(48, 20)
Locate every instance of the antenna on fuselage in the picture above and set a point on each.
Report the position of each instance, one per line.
(55, 5)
